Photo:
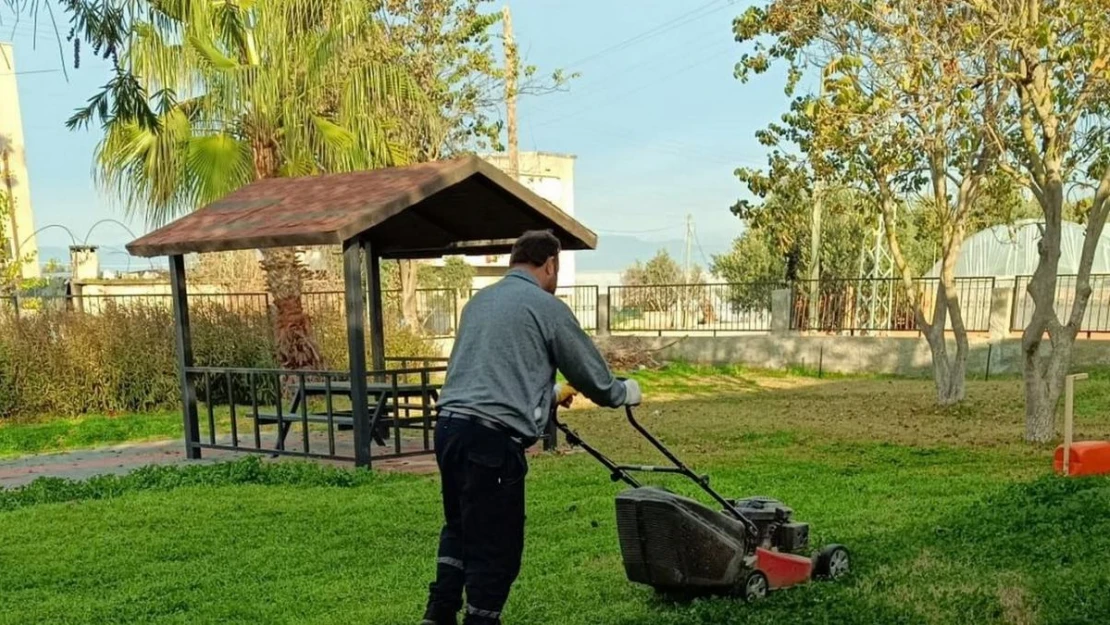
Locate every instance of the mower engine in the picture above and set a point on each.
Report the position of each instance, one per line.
(777, 529)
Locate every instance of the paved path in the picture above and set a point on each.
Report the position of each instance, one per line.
(79, 465)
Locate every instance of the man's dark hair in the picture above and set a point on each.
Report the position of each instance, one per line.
(534, 248)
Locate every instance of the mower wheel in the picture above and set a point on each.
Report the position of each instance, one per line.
(754, 586)
(832, 562)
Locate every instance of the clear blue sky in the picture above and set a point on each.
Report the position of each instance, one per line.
(656, 119)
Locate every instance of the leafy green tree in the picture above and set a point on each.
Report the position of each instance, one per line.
(749, 267)
(240, 91)
(1054, 140)
(208, 96)
(904, 109)
(661, 285)
(455, 275)
(660, 281)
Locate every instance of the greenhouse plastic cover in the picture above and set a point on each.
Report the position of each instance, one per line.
(1011, 250)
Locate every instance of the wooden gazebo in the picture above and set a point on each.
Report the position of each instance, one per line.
(463, 206)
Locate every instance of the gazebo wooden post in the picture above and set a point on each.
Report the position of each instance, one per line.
(184, 339)
(374, 305)
(356, 350)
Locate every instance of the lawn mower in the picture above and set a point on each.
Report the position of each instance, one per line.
(684, 549)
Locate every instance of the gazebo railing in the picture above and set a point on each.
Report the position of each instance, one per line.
(309, 414)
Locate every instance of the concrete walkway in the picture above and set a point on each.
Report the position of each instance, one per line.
(121, 459)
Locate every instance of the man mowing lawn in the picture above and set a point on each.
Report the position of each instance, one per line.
(494, 404)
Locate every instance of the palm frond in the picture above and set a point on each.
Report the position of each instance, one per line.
(220, 164)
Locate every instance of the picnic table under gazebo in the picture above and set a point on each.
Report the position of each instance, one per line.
(463, 206)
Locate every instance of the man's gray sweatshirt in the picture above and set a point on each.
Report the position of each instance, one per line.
(512, 337)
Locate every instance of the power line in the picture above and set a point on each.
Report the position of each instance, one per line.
(701, 251)
(718, 52)
(25, 72)
(685, 18)
(613, 80)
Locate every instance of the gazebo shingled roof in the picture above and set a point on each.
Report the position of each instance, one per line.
(459, 206)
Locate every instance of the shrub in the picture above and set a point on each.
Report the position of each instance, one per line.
(55, 362)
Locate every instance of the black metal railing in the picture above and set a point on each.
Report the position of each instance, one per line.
(883, 305)
(691, 307)
(435, 311)
(96, 304)
(306, 413)
(582, 300)
(1096, 319)
(841, 306)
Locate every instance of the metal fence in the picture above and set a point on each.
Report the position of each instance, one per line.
(436, 310)
(840, 305)
(883, 305)
(1096, 319)
(691, 308)
(98, 304)
(583, 301)
(305, 413)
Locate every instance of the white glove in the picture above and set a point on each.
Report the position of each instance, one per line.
(632, 394)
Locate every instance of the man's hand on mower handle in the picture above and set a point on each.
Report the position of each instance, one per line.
(564, 395)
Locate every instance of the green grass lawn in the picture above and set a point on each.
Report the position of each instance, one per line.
(950, 520)
(36, 437)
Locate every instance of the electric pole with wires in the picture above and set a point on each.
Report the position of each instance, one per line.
(511, 68)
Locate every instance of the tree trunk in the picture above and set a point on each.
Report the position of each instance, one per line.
(815, 257)
(949, 375)
(1044, 374)
(297, 348)
(410, 314)
(1044, 383)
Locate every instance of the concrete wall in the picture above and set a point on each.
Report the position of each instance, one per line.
(848, 354)
(997, 352)
(13, 165)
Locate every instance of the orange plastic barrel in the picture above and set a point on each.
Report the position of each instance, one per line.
(1087, 458)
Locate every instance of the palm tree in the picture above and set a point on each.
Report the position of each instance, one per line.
(240, 90)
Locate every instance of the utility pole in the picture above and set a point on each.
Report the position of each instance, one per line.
(686, 268)
(688, 241)
(511, 68)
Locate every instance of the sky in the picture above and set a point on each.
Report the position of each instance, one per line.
(656, 119)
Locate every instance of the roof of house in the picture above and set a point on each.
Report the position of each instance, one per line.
(459, 206)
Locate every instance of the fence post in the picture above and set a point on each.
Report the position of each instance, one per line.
(1002, 309)
(780, 311)
(603, 314)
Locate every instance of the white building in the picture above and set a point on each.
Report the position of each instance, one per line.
(20, 225)
(551, 176)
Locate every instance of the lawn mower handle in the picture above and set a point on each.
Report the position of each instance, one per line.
(620, 472)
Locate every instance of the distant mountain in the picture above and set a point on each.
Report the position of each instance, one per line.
(616, 253)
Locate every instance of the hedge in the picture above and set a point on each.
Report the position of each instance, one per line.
(121, 359)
